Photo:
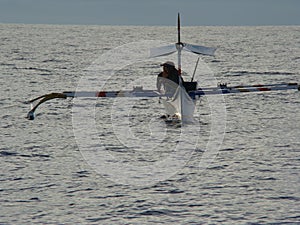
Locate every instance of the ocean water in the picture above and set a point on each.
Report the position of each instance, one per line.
(239, 163)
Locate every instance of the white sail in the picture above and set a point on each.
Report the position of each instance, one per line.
(199, 49)
(163, 50)
(169, 49)
(182, 105)
(169, 108)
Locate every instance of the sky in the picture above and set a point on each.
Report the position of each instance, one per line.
(152, 12)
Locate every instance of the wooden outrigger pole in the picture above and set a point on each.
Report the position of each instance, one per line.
(138, 92)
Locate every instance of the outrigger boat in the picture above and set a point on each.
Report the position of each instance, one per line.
(182, 102)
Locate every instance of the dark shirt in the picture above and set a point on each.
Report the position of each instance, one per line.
(173, 75)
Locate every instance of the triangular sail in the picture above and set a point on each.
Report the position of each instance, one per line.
(184, 105)
(169, 108)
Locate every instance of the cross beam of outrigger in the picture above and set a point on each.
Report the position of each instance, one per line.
(138, 92)
(190, 93)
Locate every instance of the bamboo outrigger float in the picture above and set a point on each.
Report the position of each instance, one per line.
(185, 93)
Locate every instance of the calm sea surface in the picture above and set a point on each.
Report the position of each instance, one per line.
(123, 165)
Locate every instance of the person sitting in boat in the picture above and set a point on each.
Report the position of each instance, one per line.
(168, 78)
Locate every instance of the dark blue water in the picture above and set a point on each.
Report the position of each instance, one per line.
(132, 168)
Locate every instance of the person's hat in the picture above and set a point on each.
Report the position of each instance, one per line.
(168, 63)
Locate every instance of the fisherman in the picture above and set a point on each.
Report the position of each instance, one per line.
(168, 78)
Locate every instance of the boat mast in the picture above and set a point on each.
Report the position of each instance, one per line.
(179, 45)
